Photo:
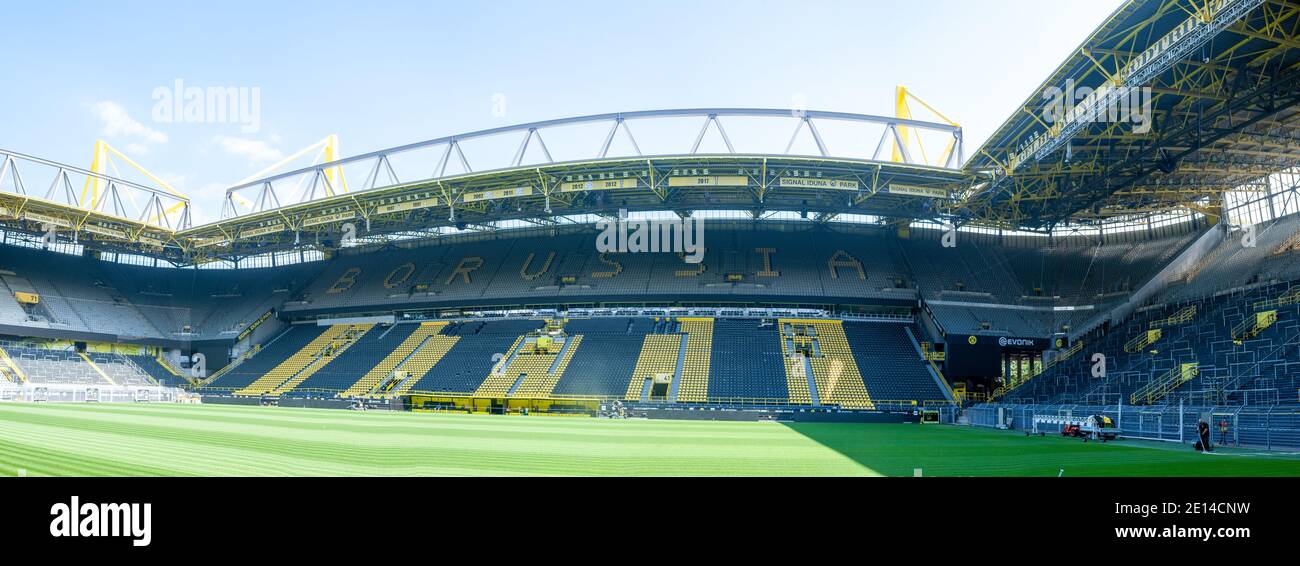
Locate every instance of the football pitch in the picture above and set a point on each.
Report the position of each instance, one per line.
(215, 440)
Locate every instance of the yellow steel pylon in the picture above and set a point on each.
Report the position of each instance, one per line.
(903, 111)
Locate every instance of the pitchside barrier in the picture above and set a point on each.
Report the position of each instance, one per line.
(468, 402)
(70, 393)
(1265, 427)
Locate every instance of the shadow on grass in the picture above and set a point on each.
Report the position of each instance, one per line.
(881, 448)
(940, 450)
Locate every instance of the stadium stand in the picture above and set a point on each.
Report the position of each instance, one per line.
(270, 356)
(747, 361)
(119, 369)
(421, 362)
(531, 370)
(306, 363)
(968, 287)
(80, 294)
(478, 348)
(50, 366)
(403, 357)
(604, 364)
(758, 264)
(981, 286)
(692, 381)
(660, 356)
(1242, 345)
(1224, 332)
(891, 367)
(358, 359)
(1231, 265)
(162, 373)
(1052, 267)
(834, 370)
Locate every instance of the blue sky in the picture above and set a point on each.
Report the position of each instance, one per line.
(381, 74)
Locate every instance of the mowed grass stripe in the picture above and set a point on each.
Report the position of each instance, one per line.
(522, 442)
(284, 422)
(26, 459)
(203, 440)
(184, 454)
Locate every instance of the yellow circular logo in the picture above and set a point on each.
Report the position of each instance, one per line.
(972, 340)
(1060, 343)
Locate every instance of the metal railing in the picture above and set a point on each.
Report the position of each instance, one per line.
(1252, 326)
(1137, 343)
(879, 404)
(86, 393)
(1267, 427)
(1184, 315)
(1159, 387)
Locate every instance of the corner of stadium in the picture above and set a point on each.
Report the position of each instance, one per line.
(1078, 296)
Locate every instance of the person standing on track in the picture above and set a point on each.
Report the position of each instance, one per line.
(1203, 431)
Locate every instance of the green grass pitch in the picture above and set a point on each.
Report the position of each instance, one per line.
(122, 440)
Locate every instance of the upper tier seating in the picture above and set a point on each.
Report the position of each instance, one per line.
(1075, 270)
(84, 295)
(511, 271)
(1274, 258)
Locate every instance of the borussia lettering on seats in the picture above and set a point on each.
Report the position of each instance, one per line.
(767, 262)
(408, 268)
(696, 271)
(466, 266)
(608, 259)
(842, 258)
(523, 271)
(345, 281)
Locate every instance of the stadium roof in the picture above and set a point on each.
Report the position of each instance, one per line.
(416, 189)
(1223, 88)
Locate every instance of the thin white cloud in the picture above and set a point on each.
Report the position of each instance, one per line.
(256, 151)
(207, 202)
(117, 123)
(137, 148)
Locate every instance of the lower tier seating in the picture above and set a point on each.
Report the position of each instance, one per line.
(700, 360)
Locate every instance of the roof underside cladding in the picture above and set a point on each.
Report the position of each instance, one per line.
(1222, 117)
